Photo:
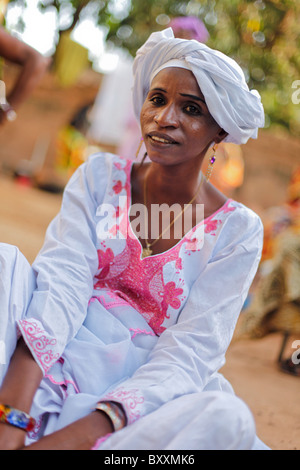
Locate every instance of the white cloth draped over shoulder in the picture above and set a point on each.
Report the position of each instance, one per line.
(234, 107)
(103, 323)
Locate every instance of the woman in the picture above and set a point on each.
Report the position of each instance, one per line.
(133, 323)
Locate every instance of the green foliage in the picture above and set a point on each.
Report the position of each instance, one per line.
(262, 35)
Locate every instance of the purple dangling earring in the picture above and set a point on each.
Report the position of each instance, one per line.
(211, 164)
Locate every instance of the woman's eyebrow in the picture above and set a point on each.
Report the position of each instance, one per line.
(194, 97)
(186, 95)
(158, 89)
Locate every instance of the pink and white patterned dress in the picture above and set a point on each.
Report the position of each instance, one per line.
(103, 323)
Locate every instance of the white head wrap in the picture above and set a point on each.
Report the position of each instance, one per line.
(234, 107)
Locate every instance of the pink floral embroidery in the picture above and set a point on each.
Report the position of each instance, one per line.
(192, 244)
(227, 209)
(130, 399)
(138, 331)
(117, 302)
(105, 259)
(139, 282)
(39, 343)
(114, 230)
(118, 165)
(178, 263)
(63, 384)
(100, 441)
(171, 295)
(211, 226)
(117, 188)
(118, 212)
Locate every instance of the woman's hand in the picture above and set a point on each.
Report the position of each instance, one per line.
(80, 435)
(18, 389)
(19, 386)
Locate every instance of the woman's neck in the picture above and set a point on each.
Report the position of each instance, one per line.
(172, 183)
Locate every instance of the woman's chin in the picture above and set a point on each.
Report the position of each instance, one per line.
(162, 158)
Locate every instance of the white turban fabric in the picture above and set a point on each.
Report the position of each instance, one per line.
(234, 107)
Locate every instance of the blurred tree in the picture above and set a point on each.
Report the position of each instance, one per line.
(262, 35)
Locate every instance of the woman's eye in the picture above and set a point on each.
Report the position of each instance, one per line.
(157, 100)
(192, 109)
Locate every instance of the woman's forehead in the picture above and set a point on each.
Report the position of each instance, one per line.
(183, 79)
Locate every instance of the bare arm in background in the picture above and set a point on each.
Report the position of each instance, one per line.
(33, 64)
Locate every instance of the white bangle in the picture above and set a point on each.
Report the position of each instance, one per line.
(114, 412)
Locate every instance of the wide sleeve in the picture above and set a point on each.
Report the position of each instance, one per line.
(65, 267)
(190, 352)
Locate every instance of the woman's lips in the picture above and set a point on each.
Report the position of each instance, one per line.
(161, 139)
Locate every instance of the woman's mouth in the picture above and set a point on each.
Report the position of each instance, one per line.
(161, 139)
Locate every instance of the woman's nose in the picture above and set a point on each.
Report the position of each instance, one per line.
(167, 116)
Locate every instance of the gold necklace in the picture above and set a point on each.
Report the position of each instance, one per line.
(147, 251)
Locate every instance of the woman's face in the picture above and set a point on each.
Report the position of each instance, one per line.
(176, 124)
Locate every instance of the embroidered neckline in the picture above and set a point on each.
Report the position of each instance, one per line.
(144, 286)
(128, 189)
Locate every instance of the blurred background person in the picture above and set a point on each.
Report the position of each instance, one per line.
(33, 67)
(189, 27)
(72, 143)
(275, 302)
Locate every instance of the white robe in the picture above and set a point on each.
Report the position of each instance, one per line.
(152, 334)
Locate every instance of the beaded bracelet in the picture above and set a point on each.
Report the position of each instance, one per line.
(114, 412)
(16, 418)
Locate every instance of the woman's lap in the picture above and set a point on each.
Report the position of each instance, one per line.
(200, 421)
(207, 420)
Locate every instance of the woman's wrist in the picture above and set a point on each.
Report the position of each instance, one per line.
(22, 379)
(114, 412)
(16, 418)
(80, 435)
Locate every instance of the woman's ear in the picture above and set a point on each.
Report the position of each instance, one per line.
(221, 136)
